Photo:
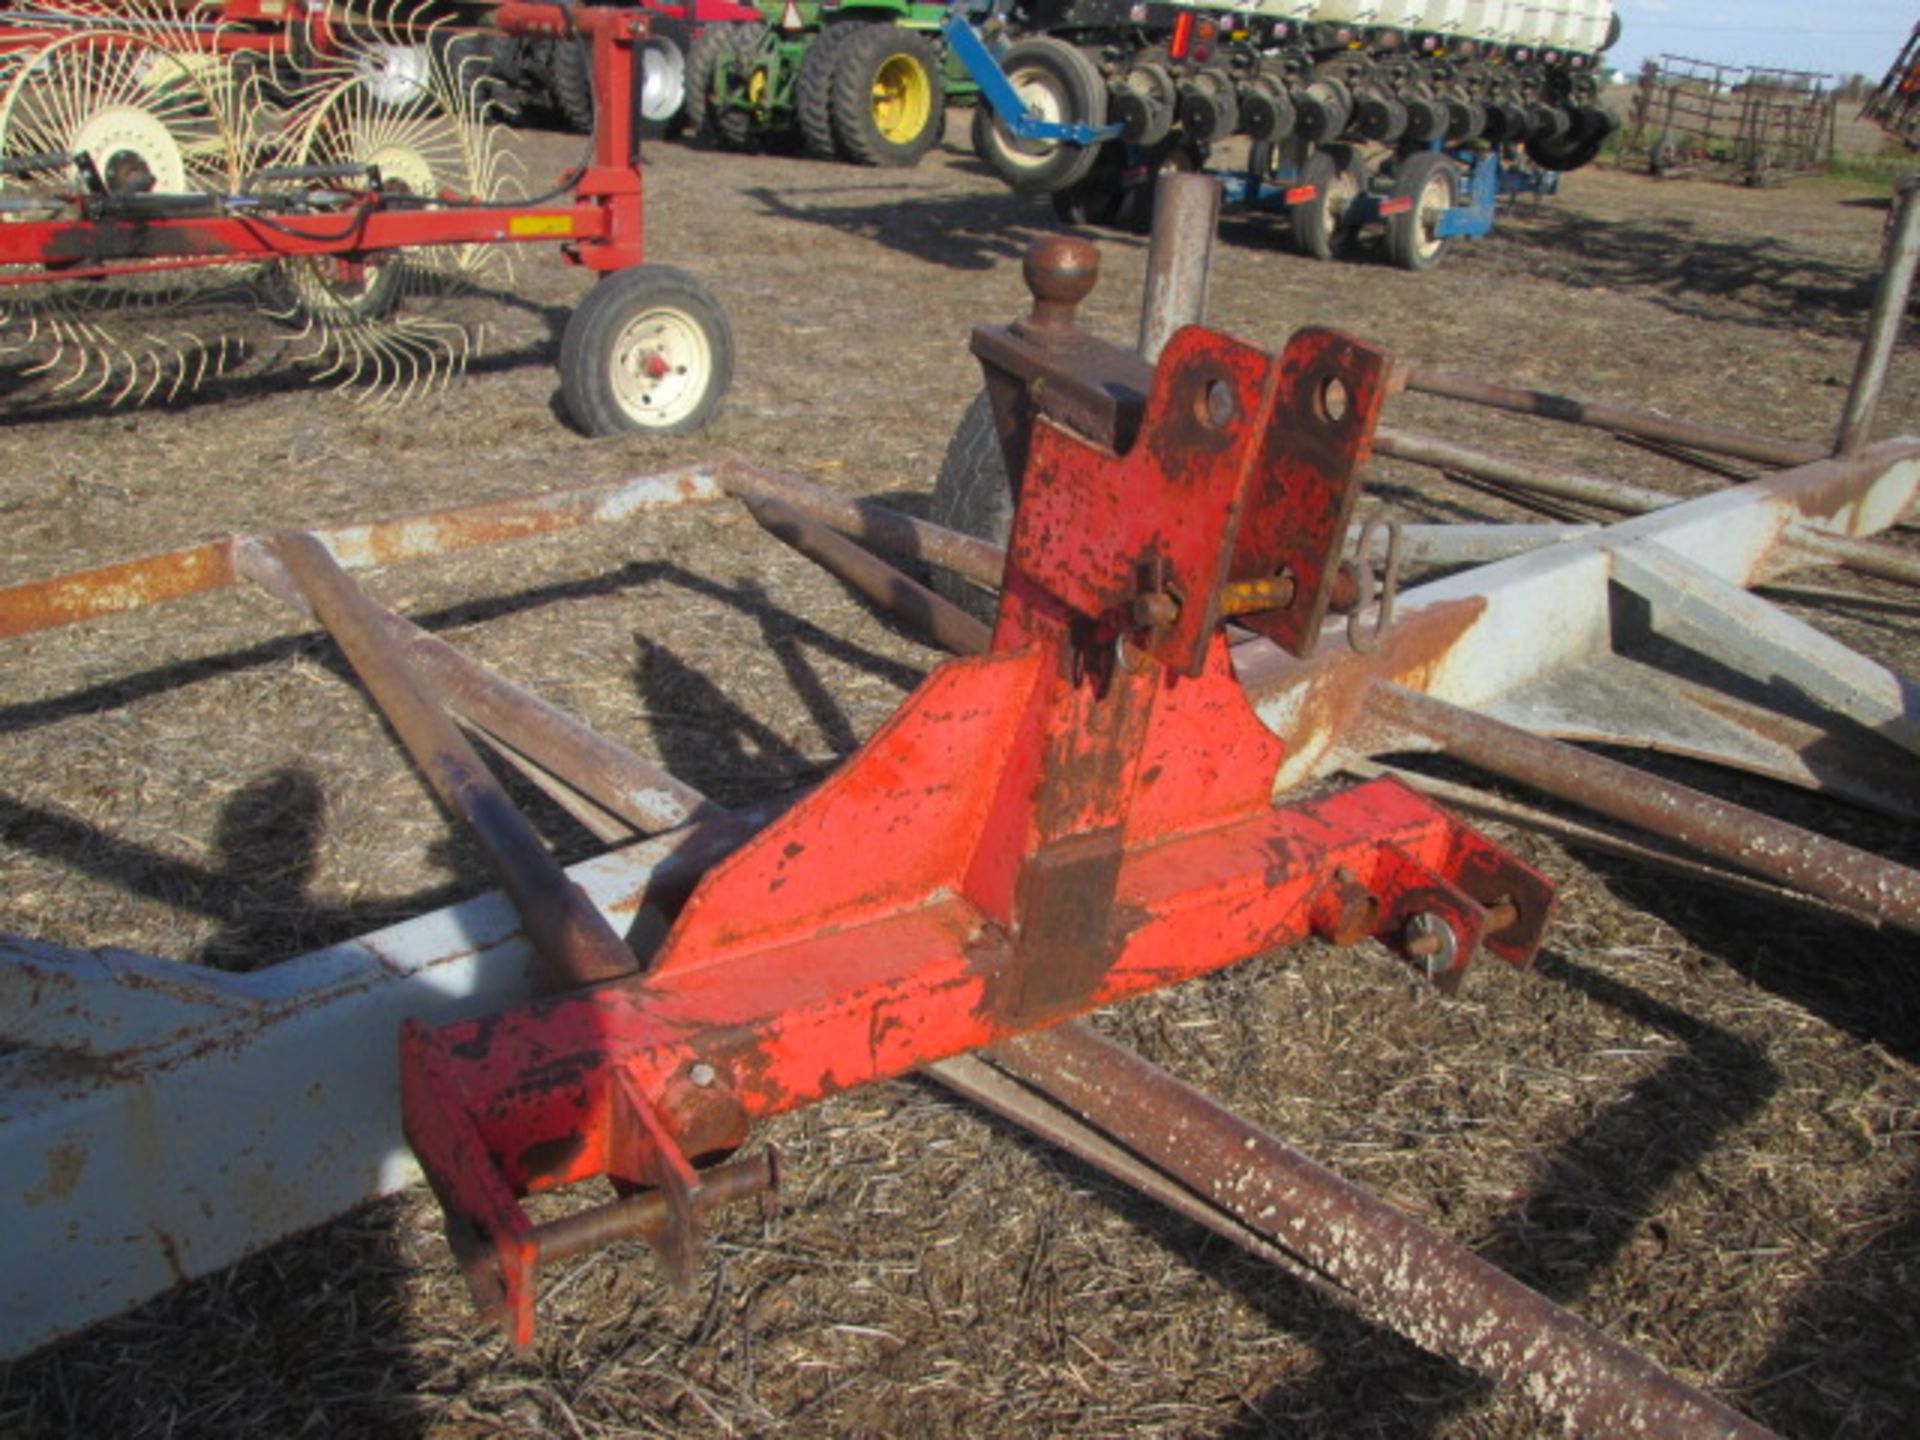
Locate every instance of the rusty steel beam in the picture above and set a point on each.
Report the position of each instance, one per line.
(1715, 439)
(1558, 480)
(1883, 327)
(1489, 806)
(574, 941)
(995, 1090)
(945, 623)
(610, 775)
(1437, 1293)
(197, 570)
(876, 524)
(1855, 880)
(1887, 562)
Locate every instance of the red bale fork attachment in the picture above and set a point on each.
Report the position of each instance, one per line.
(1081, 814)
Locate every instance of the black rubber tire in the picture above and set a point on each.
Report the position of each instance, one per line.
(570, 73)
(731, 126)
(703, 56)
(1075, 88)
(856, 116)
(1334, 173)
(813, 91)
(972, 495)
(601, 399)
(1100, 199)
(1420, 178)
(1592, 127)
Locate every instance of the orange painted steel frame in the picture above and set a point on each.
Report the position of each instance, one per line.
(1083, 814)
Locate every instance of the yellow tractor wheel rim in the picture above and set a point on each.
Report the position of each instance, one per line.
(902, 99)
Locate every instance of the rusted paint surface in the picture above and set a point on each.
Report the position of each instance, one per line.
(110, 589)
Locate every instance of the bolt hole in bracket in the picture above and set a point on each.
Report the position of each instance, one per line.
(1037, 832)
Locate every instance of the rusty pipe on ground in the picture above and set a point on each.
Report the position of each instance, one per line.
(1600, 490)
(1883, 327)
(1855, 880)
(575, 944)
(1439, 1294)
(1714, 439)
(1864, 556)
(876, 524)
(613, 777)
(940, 620)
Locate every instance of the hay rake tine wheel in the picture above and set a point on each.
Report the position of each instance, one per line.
(424, 135)
(144, 113)
(340, 251)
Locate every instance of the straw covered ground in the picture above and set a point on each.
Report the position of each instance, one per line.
(1697, 1121)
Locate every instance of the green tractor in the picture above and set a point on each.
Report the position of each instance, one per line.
(866, 81)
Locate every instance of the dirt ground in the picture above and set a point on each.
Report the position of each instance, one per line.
(1697, 1121)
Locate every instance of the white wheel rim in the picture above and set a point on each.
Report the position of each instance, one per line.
(129, 130)
(663, 81)
(1436, 198)
(660, 364)
(1041, 96)
(397, 74)
(1342, 191)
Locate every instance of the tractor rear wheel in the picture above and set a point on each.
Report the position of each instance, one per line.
(1056, 83)
(1430, 180)
(813, 91)
(889, 105)
(703, 62)
(649, 351)
(570, 68)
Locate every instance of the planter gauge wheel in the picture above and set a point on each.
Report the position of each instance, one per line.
(1430, 181)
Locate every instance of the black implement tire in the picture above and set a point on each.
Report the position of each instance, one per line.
(648, 352)
(889, 103)
(1339, 177)
(813, 91)
(1062, 84)
(1430, 180)
(1591, 129)
(973, 496)
(703, 57)
(570, 72)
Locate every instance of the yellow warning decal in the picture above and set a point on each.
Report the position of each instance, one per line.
(540, 225)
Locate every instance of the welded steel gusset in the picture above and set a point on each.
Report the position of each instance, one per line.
(1080, 815)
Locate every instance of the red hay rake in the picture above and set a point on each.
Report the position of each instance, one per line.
(1079, 810)
(287, 152)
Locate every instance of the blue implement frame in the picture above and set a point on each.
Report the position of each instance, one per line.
(998, 92)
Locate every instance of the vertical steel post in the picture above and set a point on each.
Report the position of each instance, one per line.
(1889, 309)
(1186, 212)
